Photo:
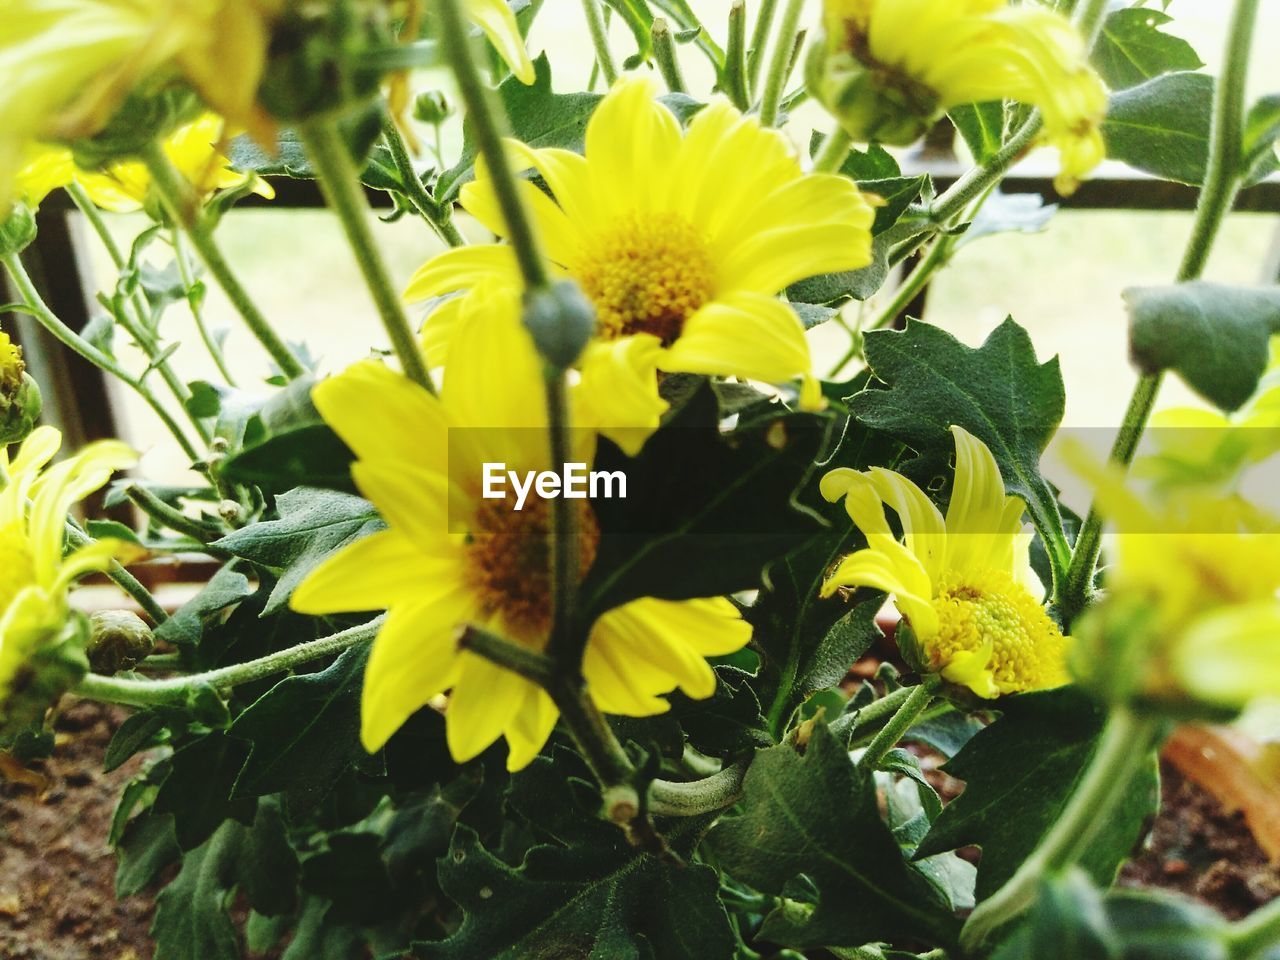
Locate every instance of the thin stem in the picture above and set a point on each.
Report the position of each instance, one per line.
(436, 215)
(136, 692)
(834, 151)
(1248, 938)
(527, 663)
(34, 305)
(759, 40)
(668, 798)
(780, 63)
(488, 126)
(567, 643)
(197, 311)
(340, 183)
(735, 62)
(873, 715)
(600, 40)
(1124, 750)
(1217, 196)
(184, 207)
(167, 516)
(664, 52)
(902, 720)
(77, 538)
(599, 747)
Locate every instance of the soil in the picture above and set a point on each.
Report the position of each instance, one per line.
(56, 872)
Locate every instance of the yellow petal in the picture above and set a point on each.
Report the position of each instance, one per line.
(485, 698)
(741, 335)
(374, 573)
(463, 268)
(497, 21)
(618, 390)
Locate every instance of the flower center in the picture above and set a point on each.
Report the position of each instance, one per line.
(17, 566)
(509, 554)
(648, 274)
(11, 365)
(1028, 650)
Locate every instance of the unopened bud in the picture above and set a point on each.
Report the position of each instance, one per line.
(118, 640)
(20, 400)
(432, 107)
(17, 229)
(30, 688)
(561, 320)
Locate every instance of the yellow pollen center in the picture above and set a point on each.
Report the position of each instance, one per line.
(1027, 650)
(17, 566)
(509, 556)
(648, 274)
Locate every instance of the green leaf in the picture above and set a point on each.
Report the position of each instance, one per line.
(147, 847)
(982, 126)
(1261, 128)
(639, 20)
(1215, 337)
(289, 158)
(304, 733)
(1132, 48)
(312, 526)
(198, 790)
(602, 900)
(704, 513)
(191, 920)
(310, 455)
(896, 194)
(999, 392)
(187, 626)
(1008, 213)
(138, 731)
(267, 866)
(230, 409)
(1019, 773)
(539, 118)
(812, 814)
(1162, 126)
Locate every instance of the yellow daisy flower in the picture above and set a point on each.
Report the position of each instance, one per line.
(34, 574)
(888, 69)
(681, 240)
(452, 557)
(972, 604)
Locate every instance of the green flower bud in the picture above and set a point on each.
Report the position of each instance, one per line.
(17, 230)
(143, 119)
(118, 640)
(20, 400)
(432, 107)
(36, 687)
(561, 320)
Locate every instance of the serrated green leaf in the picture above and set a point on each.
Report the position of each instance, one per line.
(1019, 774)
(1215, 337)
(704, 513)
(313, 525)
(191, 921)
(1131, 48)
(136, 733)
(896, 195)
(267, 867)
(812, 814)
(982, 126)
(308, 455)
(304, 733)
(146, 848)
(539, 117)
(999, 392)
(1162, 126)
(187, 626)
(198, 790)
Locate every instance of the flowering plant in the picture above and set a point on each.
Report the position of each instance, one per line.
(531, 633)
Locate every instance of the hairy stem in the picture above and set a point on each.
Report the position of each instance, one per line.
(167, 516)
(184, 207)
(600, 40)
(436, 215)
(759, 40)
(834, 151)
(903, 719)
(775, 77)
(197, 311)
(735, 63)
(77, 538)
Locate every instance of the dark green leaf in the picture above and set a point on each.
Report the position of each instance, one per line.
(1162, 126)
(1132, 48)
(704, 513)
(289, 159)
(191, 920)
(1261, 128)
(136, 733)
(147, 847)
(539, 117)
(999, 392)
(267, 865)
(896, 194)
(198, 790)
(1019, 774)
(982, 126)
(814, 815)
(187, 626)
(1215, 337)
(312, 526)
(318, 939)
(230, 409)
(310, 455)
(304, 733)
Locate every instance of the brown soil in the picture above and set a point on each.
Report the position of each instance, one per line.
(56, 873)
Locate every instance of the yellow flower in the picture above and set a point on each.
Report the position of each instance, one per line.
(964, 584)
(890, 68)
(11, 366)
(452, 557)
(34, 574)
(681, 240)
(193, 148)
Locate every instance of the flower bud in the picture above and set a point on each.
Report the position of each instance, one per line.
(118, 640)
(20, 400)
(432, 107)
(870, 104)
(561, 320)
(37, 684)
(17, 229)
(142, 119)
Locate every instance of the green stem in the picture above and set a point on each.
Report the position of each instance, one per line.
(167, 516)
(340, 183)
(873, 716)
(135, 692)
(529, 664)
(1247, 939)
(1217, 196)
(664, 52)
(835, 149)
(735, 62)
(488, 127)
(436, 215)
(77, 538)
(1124, 750)
(668, 798)
(775, 77)
(759, 40)
(34, 305)
(184, 207)
(600, 40)
(903, 719)
(197, 311)
(568, 643)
